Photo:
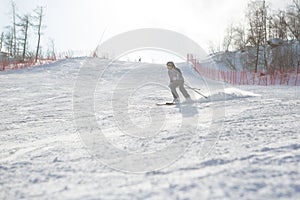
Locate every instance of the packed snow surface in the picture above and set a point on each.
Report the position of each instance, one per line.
(253, 153)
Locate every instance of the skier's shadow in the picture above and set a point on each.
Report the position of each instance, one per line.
(188, 110)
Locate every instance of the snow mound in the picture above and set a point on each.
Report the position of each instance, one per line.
(238, 93)
(230, 94)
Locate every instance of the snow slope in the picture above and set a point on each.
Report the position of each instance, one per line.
(42, 156)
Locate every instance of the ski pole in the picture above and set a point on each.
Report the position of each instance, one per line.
(191, 87)
(196, 90)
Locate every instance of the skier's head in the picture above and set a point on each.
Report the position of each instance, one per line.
(170, 65)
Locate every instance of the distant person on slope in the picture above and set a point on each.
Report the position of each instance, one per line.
(176, 80)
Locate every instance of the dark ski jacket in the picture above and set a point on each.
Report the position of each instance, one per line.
(175, 74)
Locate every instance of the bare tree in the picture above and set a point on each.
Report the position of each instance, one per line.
(1, 41)
(228, 38)
(8, 41)
(264, 14)
(24, 27)
(281, 26)
(51, 50)
(257, 36)
(273, 37)
(292, 20)
(214, 47)
(14, 32)
(39, 17)
(239, 37)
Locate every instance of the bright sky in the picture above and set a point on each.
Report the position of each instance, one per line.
(79, 24)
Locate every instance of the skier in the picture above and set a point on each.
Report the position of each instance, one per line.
(176, 80)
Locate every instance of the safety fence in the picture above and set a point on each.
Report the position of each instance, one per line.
(17, 64)
(13, 64)
(273, 77)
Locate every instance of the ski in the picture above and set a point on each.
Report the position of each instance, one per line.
(166, 104)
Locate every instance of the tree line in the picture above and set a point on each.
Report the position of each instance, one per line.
(267, 37)
(14, 41)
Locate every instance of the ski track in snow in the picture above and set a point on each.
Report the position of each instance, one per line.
(257, 156)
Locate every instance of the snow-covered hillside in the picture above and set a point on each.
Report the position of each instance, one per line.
(245, 141)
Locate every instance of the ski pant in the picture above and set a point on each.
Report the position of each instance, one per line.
(174, 84)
